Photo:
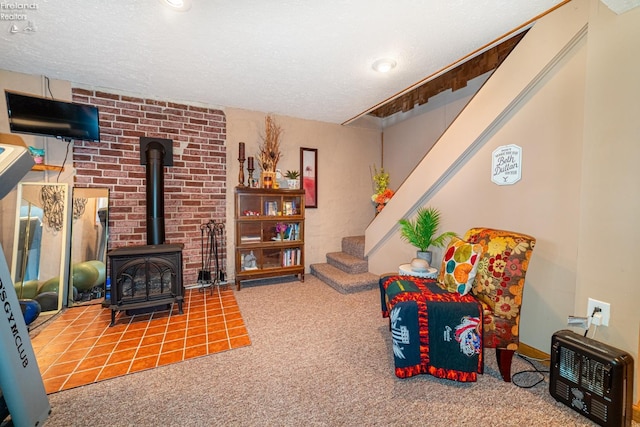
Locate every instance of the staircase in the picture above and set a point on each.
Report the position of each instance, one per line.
(347, 271)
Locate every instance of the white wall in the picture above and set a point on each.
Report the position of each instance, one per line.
(610, 199)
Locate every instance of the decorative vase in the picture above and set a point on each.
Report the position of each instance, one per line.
(426, 255)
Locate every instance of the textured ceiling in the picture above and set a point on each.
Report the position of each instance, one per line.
(621, 6)
(308, 59)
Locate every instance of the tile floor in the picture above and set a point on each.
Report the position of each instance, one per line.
(79, 347)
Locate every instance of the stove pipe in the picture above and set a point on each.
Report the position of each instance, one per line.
(155, 193)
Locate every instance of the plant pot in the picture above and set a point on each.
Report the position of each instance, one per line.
(426, 255)
(293, 184)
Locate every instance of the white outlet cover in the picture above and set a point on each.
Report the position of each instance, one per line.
(604, 306)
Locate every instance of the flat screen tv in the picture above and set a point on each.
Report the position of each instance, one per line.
(43, 116)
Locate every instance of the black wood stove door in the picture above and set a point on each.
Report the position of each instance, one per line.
(145, 276)
(145, 279)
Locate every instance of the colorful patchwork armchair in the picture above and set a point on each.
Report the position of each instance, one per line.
(488, 267)
(498, 286)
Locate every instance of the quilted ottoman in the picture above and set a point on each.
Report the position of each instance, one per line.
(433, 331)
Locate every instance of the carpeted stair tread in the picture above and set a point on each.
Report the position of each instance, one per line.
(344, 282)
(354, 245)
(347, 263)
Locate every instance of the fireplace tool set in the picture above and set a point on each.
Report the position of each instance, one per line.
(212, 250)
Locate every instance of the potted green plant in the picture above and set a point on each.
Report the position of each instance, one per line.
(421, 232)
(293, 179)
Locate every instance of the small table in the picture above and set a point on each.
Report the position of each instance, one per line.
(405, 270)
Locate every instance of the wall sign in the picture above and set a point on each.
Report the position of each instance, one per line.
(506, 165)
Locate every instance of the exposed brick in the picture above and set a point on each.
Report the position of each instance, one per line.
(105, 182)
(157, 116)
(152, 131)
(152, 108)
(133, 133)
(172, 119)
(194, 127)
(211, 135)
(111, 131)
(107, 95)
(82, 181)
(84, 164)
(107, 138)
(78, 92)
(132, 99)
(133, 113)
(189, 132)
(150, 122)
(200, 109)
(127, 119)
(108, 111)
(195, 187)
(102, 102)
(127, 126)
(89, 172)
(110, 167)
(155, 102)
(128, 105)
(198, 121)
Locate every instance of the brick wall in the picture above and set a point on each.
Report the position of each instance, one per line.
(195, 186)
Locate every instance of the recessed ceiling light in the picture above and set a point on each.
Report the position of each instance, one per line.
(384, 65)
(177, 5)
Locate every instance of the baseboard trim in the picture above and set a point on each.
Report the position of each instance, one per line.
(534, 353)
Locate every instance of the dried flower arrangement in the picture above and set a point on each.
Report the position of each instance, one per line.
(270, 148)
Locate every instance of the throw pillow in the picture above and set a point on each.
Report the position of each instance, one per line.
(459, 266)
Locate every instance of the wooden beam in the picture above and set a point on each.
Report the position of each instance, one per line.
(454, 79)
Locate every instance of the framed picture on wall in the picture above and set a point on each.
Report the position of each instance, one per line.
(309, 170)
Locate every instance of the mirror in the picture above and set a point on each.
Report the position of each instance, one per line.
(89, 236)
(40, 244)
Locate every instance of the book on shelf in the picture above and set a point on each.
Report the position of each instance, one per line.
(293, 231)
(247, 239)
(271, 208)
(289, 208)
(291, 257)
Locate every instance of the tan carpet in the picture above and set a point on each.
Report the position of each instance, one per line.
(317, 358)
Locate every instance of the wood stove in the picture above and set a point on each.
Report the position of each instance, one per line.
(146, 276)
(150, 275)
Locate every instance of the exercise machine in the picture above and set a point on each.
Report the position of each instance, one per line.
(21, 384)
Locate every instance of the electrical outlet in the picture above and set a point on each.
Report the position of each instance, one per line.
(605, 310)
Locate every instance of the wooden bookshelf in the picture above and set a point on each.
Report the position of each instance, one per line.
(260, 251)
